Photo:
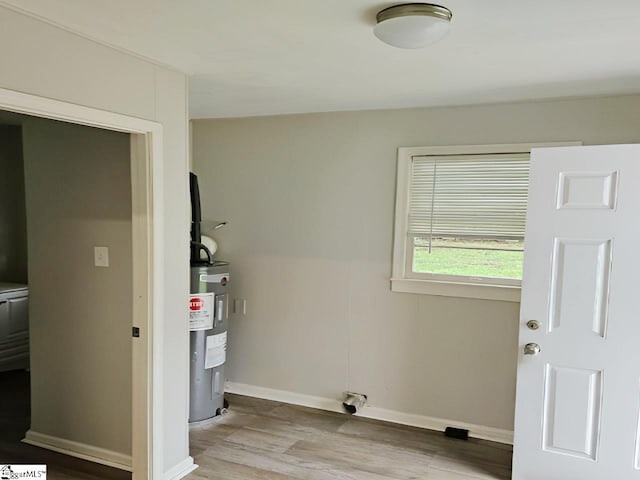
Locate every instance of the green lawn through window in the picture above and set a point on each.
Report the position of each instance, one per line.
(476, 258)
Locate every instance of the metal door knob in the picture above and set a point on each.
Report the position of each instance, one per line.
(531, 349)
(533, 324)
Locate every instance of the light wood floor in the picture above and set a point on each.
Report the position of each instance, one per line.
(258, 439)
(15, 421)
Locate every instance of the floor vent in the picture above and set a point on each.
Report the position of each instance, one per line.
(459, 433)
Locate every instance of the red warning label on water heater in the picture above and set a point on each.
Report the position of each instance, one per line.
(201, 311)
(196, 304)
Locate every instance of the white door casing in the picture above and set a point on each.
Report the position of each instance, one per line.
(578, 399)
(148, 260)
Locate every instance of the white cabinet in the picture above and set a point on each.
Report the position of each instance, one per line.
(14, 327)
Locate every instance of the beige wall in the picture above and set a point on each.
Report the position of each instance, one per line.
(78, 186)
(13, 231)
(310, 204)
(48, 61)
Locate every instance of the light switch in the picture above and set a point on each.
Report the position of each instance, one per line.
(101, 256)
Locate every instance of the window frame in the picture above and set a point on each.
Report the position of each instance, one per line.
(403, 279)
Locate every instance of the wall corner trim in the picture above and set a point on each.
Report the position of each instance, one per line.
(334, 405)
(79, 450)
(180, 470)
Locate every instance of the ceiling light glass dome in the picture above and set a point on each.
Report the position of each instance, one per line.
(412, 25)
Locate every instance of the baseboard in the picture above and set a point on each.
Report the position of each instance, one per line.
(79, 450)
(181, 470)
(322, 403)
(334, 405)
(475, 431)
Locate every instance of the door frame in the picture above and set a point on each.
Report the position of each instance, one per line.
(148, 257)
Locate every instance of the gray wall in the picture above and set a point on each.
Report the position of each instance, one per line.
(78, 186)
(54, 63)
(13, 229)
(310, 204)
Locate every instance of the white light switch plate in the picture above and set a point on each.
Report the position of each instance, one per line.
(101, 256)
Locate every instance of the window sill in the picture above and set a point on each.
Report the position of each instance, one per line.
(502, 293)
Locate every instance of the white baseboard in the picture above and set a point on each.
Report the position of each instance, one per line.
(335, 405)
(329, 404)
(79, 450)
(181, 470)
(476, 431)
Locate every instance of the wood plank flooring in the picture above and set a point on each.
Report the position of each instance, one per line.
(260, 439)
(15, 421)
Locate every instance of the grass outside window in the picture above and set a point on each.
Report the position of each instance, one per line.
(469, 257)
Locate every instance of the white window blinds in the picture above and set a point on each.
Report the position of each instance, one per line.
(469, 196)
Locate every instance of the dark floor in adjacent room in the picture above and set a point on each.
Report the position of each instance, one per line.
(260, 439)
(15, 421)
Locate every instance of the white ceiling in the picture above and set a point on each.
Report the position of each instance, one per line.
(257, 57)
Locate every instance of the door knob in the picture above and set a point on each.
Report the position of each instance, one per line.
(533, 324)
(531, 349)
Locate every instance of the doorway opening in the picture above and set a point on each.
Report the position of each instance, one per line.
(66, 323)
(141, 169)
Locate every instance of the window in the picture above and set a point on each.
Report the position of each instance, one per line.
(460, 220)
(467, 216)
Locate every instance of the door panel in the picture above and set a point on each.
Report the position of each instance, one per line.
(588, 190)
(578, 399)
(572, 411)
(580, 284)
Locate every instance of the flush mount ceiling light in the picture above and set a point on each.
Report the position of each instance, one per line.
(412, 25)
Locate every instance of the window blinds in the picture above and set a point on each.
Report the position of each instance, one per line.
(469, 196)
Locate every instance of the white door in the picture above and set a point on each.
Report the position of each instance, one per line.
(578, 398)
